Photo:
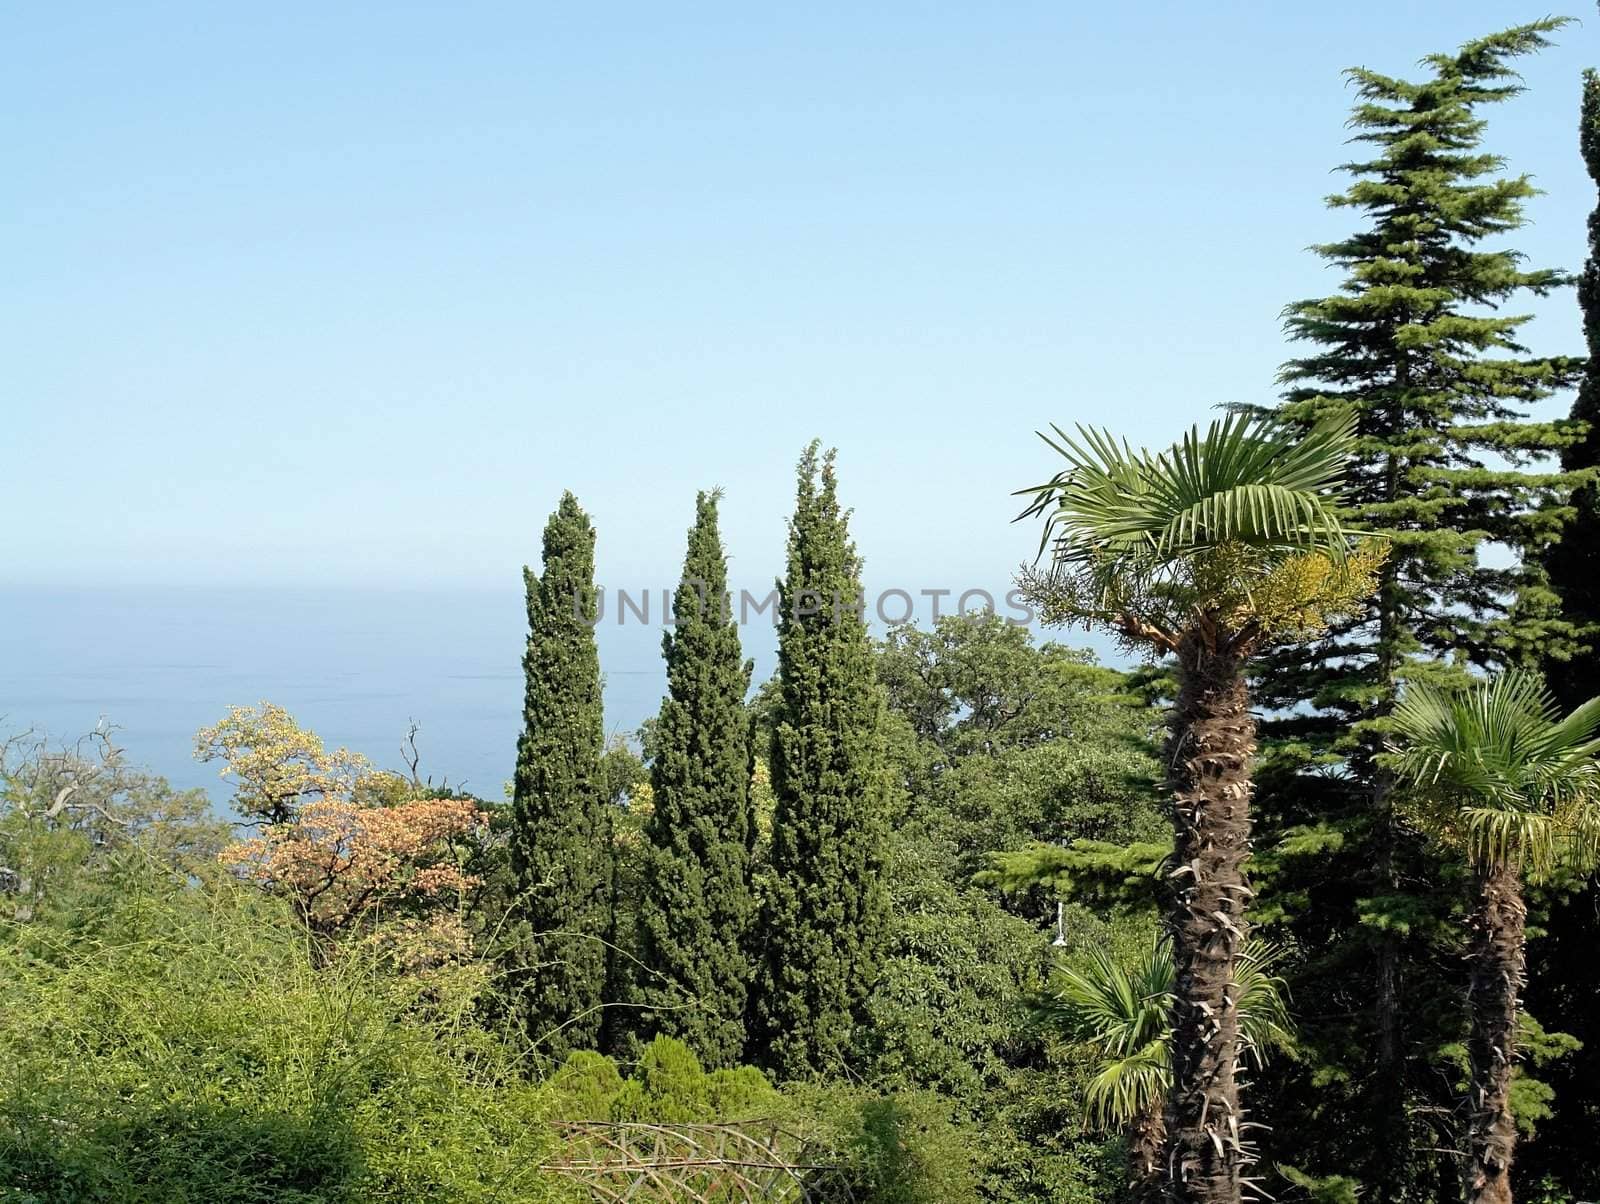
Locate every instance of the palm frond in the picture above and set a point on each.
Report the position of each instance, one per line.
(1263, 1001)
(1126, 1088)
(1498, 769)
(1125, 1014)
(1245, 481)
(1106, 1005)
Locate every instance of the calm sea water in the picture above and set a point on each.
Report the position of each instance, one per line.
(356, 666)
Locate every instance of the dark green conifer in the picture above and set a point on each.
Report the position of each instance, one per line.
(1419, 344)
(825, 912)
(1565, 973)
(560, 835)
(1574, 562)
(697, 903)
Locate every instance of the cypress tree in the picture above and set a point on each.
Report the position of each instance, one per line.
(560, 835)
(825, 911)
(1565, 973)
(1417, 344)
(697, 902)
(1574, 561)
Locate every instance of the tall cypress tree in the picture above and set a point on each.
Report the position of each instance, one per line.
(1574, 561)
(560, 834)
(1417, 345)
(825, 911)
(697, 904)
(1565, 977)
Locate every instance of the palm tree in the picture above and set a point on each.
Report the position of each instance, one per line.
(1496, 771)
(1204, 552)
(1124, 1013)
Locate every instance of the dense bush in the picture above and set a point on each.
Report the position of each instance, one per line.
(880, 1147)
(184, 1048)
(901, 1148)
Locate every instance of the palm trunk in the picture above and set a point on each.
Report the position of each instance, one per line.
(1212, 742)
(1498, 958)
(1146, 1140)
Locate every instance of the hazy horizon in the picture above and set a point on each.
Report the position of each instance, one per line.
(356, 664)
(341, 300)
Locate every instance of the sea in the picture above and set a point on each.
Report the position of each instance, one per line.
(357, 666)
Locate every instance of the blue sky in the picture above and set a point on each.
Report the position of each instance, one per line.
(347, 294)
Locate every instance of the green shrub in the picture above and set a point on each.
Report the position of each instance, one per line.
(585, 1086)
(900, 1148)
(742, 1093)
(184, 1049)
(668, 1087)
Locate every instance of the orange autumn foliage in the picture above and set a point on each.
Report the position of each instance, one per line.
(340, 862)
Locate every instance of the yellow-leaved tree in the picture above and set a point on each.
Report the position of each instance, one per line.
(361, 854)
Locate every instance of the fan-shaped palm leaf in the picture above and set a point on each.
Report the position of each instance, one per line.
(1496, 768)
(1116, 1008)
(1124, 1013)
(1126, 1088)
(1245, 482)
(1263, 1000)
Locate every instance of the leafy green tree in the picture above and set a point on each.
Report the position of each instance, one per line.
(560, 834)
(1496, 772)
(975, 682)
(1123, 1012)
(947, 1010)
(1205, 552)
(626, 788)
(668, 1086)
(1000, 743)
(1420, 344)
(893, 1148)
(76, 817)
(585, 1086)
(826, 909)
(182, 1043)
(1091, 872)
(698, 903)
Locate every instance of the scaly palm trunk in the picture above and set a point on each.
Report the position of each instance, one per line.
(1209, 753)
(1498, 973)
(1147, 1138)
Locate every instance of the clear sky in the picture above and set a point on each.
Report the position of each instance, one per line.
(348, 293)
